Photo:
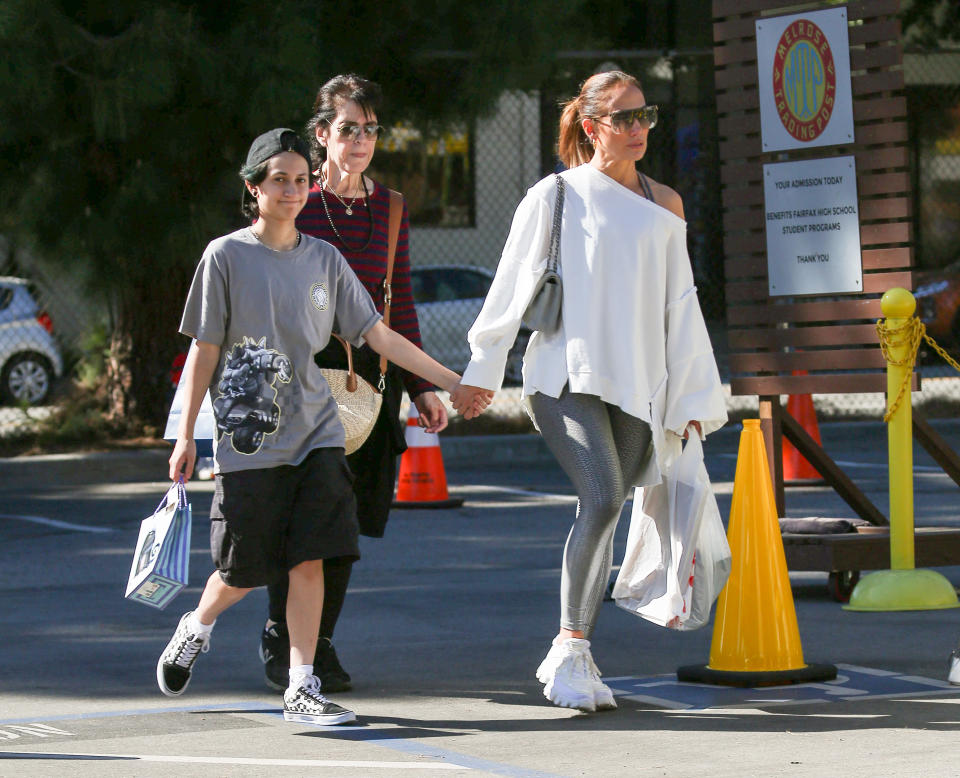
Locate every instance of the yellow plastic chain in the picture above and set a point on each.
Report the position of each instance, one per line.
(909, 334)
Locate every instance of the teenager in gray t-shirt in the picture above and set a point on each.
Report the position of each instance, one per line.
(271, 312)
(264, 300)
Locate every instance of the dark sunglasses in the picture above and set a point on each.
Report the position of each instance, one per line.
(622, 121)
(353, 131)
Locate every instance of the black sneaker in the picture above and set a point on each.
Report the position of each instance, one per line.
(176, 661)
(326, 666)
(275, 655)
(308, 705)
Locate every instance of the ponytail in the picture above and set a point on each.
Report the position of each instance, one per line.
(573, 147)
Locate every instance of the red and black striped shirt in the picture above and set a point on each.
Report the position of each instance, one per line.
(370, 263)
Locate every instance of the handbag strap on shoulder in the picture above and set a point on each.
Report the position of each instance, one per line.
(553, 257)
(393, 236)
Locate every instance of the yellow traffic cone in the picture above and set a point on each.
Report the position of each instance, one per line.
(756, 641)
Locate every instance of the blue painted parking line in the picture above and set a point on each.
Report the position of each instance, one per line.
(384, 737)
(852, 683)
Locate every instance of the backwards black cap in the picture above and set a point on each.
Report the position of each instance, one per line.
(276, 142)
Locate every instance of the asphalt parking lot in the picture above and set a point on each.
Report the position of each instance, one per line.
(445, 623)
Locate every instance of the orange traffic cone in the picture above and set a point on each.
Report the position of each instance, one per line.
(756, 641)
(422, 482)
(795, 465)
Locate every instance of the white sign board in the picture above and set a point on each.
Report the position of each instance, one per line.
(813, 228)
(803, 67)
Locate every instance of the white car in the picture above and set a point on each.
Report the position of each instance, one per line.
(29, 356)
(447, 299)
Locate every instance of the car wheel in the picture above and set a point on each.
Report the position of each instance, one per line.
(247, 440)
(27, 378)
(513, 375)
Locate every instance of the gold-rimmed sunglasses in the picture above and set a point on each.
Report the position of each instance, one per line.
(353, 131)
(623, 121)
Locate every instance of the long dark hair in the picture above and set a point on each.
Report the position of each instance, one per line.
(331, 97)
(574, 147)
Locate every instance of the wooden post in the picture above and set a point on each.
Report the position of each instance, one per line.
(770, 424)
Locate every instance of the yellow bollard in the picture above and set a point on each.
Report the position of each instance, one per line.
(901, 588)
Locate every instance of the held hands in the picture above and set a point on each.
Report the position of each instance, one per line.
(433, 413)
(183, 458)
(470, 401)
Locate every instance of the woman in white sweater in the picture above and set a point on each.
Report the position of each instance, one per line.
(614, 389)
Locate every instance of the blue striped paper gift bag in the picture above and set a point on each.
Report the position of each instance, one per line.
(161, 560)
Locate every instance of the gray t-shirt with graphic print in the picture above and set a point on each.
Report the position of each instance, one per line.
(270, 312)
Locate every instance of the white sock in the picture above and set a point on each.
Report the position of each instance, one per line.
(197, 627)
(298, 673)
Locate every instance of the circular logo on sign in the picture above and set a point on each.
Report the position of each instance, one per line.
(318, 293)
(804, 80)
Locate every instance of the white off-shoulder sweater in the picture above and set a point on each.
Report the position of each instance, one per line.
(632, 331)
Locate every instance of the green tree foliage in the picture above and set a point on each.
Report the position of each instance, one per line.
(124, 125)
(930, 22)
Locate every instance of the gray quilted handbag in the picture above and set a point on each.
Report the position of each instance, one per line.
(543, 312)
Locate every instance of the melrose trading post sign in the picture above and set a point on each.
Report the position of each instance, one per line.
(812, 226)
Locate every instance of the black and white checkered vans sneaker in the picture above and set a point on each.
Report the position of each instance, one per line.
(306, 704)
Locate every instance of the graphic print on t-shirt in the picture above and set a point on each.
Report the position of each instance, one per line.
(246, 409)
(319, 296)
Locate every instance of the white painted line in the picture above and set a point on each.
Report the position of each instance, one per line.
(226, 760)
(864, 670)
(927, 681)
(513, 490)
(54, 523)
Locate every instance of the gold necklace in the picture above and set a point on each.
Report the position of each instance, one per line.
(353, 201)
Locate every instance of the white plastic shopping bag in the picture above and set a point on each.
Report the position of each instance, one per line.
(161, 558)
(711, 568)
(677, 558)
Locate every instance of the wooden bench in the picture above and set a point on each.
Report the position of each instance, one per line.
(844, 555)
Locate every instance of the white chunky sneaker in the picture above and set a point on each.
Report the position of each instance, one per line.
(602, 695)
(306, 704)
(954, 676)
(570, 684)
(550, 663)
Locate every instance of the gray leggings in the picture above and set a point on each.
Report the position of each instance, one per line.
(603, 450)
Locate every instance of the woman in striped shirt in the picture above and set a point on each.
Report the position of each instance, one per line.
(351, 211)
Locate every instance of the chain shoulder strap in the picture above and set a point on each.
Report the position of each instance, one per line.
(553, 256)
